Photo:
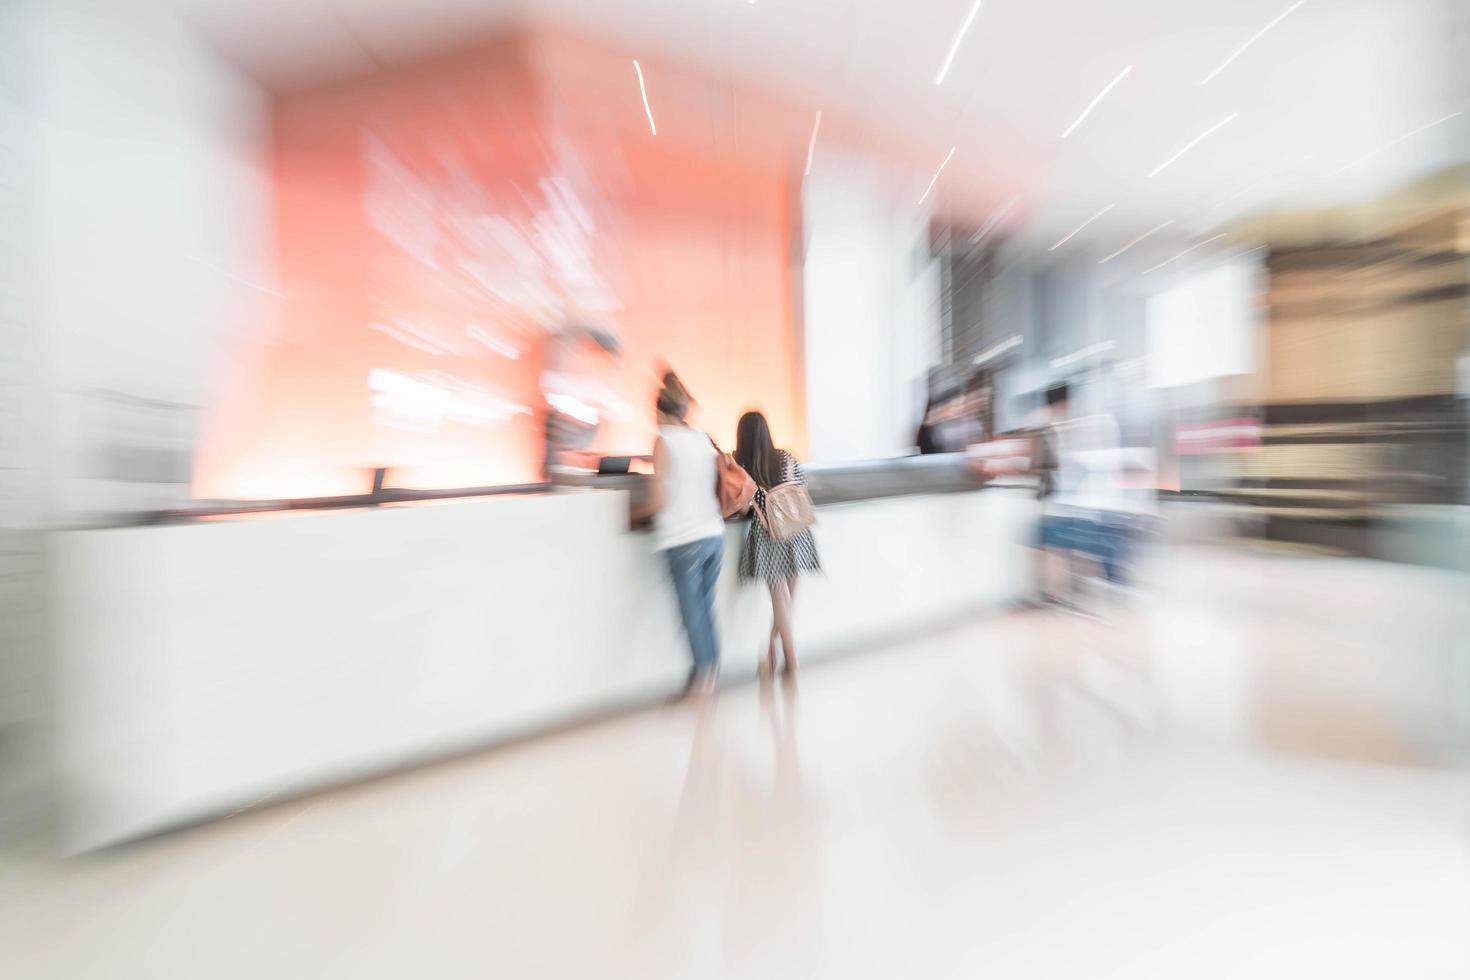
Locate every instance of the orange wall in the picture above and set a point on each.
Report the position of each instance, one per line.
(436, 222)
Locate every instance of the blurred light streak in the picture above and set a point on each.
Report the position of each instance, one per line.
(935, 178)
(493, 343)
(234, 278)
(407, 403)
(643, 89)
(1394, 142)
(1191, 144)
(1096, 99)
(1135, 241)
(1101, 347)
(1183, 253)
(572, 406)
(1244, 190)
(1252, 40)
(811, 146)
(955, 47)
(406, 338)
(1080, 227)
(995, 219)
(991, 353)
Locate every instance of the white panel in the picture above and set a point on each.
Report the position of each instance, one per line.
(871, 316)
(1204, 327)
(203, 667)
(152, 224)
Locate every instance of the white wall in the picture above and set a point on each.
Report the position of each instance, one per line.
(19, 494)
(151, 227)
(871, 311)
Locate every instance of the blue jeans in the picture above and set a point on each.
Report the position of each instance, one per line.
(695, 569)
(1104, 537)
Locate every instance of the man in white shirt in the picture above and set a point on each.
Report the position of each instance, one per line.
(1083, 501)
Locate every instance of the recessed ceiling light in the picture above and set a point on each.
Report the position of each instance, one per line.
(936, 175)
(1080, 227)
(644, 90)
(1190, 145)
(955, 47)
(1135, 241)
(1252, 40)
(1096, 99)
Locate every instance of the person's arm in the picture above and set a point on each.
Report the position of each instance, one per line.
(654, 501)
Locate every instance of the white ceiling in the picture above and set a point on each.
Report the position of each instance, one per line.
(1334, 82)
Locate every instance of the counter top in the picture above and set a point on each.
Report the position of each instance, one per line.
(833, 482)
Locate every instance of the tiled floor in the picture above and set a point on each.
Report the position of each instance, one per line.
(1255, 771)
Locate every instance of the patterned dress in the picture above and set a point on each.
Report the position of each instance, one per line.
(768, 560)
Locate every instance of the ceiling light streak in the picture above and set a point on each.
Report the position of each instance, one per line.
(1135, 241)
(1183, 253)
(995, 219)
(1080, 227)
(955, 47)
(1096, 99)
(1244, 190)
(644, 90)
(811, 146)
(1392, 143)
(234, 278)
(1253, 39)
(935, 178)
(1190, 145)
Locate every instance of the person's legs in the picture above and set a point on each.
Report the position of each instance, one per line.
(781, 620)
(1055, 542)
(685, 571)
(788, 650)
(1119, 531)
(776, 626)
(712, 552)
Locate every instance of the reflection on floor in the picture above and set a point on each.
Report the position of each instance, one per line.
(1256, 769)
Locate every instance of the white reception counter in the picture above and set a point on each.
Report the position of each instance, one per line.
(207, 666)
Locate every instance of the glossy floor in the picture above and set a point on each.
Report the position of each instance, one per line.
(1255, 768)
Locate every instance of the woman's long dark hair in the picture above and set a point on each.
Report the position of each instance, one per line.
(755, 452)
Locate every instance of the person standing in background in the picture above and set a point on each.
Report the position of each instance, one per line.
(688, 528)
(974, 421)
(926, 440)
(776, 563)
(1081, 490)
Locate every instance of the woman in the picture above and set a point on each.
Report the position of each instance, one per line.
(776, 563)
(687, 526)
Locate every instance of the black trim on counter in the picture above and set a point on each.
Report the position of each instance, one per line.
(379, 497)
(829, 483)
